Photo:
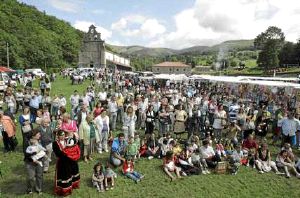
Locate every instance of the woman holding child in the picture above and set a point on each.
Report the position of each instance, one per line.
(33, 164)
(67, 175)
(26, 120)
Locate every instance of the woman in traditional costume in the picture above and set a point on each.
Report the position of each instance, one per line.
(67, 175)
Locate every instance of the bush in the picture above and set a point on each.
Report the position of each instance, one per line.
(233, 63)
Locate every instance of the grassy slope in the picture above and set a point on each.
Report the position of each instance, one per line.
(247, 183)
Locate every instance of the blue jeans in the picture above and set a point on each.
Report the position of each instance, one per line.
(120, 113)
(115, 161)
(134, 175)
(103, 141)
(54, 110)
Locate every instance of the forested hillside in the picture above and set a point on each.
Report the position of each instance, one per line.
(36, 39)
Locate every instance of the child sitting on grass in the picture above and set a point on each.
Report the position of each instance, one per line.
(137, 142)
(235, 159)
(109, 177)
(220, 149)
(169, 166)
(131, 149)
(176, 148)
(197, 160)
(98, 177)
(143, 148)
(164, 148)
(283, 161)
(128, 170)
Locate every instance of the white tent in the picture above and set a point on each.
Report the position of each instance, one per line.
(178, 77)
(267, 81)
(269, 78)
(146, 77)
(272, 83)
(172, 77)
(162, 76)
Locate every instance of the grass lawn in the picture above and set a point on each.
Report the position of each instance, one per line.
(247, 183)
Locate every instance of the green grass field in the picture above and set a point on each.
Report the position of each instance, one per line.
(247, 183)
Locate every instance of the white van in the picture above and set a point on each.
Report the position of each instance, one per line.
(32, 70)
(37, 72)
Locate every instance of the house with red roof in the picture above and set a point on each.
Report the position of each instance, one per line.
(172, 68)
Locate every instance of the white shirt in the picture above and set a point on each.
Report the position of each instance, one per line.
(74, 99)
(289, 126)
(85, 100)
(112, 107)
(83, 116)
(207, 152)
(102, 96)
(143, 105)
(19, 96)
(218, 121)
(198, 100)
(129, 121)
(62, 102)
(175, 100)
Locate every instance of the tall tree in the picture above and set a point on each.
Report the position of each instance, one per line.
(297, 52)
(270, 43)
(287, 54)
(268, 56)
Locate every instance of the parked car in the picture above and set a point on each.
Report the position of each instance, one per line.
(36, 72)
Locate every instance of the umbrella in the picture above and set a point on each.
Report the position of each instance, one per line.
(5, 69)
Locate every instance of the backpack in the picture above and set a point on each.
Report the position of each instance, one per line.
(43, 85)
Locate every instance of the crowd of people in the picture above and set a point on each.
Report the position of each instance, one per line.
(194, 127)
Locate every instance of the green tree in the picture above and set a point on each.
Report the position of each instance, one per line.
(268, 56)
(270, 43)
(297, 52)
(233, 63)
(287, 54)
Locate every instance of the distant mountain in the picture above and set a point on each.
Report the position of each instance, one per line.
(231, 45)
(193, 50)
(141, 51)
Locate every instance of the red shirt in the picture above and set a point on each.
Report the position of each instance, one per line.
(128, 167)
(250, 144)
(97, 111)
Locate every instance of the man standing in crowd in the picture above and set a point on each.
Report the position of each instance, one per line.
(74, 99)
(289, 127)
(47, 138)
(113, 109)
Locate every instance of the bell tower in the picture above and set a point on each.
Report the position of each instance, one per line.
(92, 51)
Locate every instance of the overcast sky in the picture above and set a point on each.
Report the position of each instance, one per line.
(176, 23)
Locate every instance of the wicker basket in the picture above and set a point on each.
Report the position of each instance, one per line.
(221, 168)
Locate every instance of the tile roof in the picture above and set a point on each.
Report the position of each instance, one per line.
(171, 64)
